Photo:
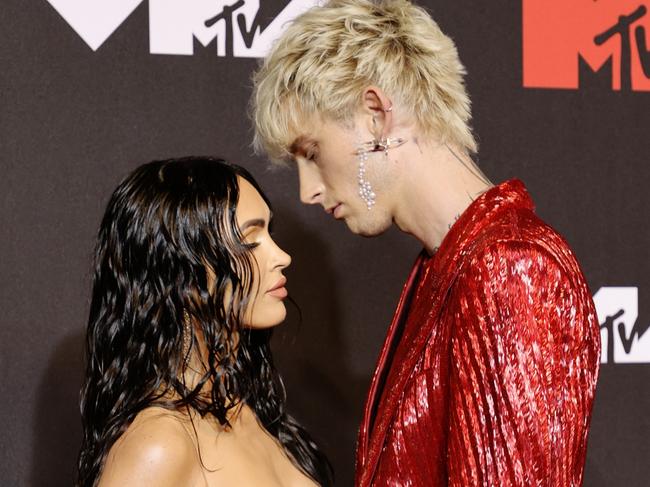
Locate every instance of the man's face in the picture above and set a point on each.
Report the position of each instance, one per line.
(328, 169)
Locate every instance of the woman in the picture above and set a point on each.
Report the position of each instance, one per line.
(180, 386)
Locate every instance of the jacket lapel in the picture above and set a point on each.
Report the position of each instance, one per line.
(383, 362)
(403, 365)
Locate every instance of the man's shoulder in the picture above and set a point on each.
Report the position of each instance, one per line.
(517, 224)
(521, 232)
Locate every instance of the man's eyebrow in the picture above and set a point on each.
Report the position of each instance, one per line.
(298, 145)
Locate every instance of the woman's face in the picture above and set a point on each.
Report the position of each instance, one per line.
(269, 261)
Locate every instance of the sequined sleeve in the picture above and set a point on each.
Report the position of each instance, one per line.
(524, 361)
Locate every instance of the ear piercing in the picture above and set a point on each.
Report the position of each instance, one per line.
(380, 145)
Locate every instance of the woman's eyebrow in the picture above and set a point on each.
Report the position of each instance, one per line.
(255, 222)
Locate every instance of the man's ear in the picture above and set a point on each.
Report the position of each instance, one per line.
(376, 108)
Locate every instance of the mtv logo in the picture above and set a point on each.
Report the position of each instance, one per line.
(623, 338)
(604, 37)
(239, 26)
(173, 26)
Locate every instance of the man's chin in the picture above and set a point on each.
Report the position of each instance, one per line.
(365, 229)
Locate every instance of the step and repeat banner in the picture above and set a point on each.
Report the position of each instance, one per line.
(91, 88)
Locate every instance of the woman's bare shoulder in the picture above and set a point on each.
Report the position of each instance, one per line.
(156, 449)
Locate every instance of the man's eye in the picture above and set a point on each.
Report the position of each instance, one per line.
(312, 154)
(314, 159)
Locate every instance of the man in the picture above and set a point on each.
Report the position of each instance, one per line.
(488, 372)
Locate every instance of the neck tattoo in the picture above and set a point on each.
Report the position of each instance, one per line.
(454, 221)
(435, 249)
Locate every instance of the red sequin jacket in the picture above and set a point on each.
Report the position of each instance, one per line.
(487, 375)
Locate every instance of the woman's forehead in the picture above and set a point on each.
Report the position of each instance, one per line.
(251, 205)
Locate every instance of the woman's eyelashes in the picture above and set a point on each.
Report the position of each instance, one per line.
(252, 236)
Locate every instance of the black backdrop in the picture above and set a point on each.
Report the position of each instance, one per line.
(74, 121)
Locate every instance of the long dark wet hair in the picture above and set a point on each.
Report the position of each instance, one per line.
(165, 224)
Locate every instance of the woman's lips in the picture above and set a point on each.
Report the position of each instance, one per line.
(279, 290)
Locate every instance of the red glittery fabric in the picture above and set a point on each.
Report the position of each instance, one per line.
(488, 372)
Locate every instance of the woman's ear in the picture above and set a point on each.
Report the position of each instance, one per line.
(376, 108)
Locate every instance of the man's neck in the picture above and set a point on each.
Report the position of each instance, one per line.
(439, 184)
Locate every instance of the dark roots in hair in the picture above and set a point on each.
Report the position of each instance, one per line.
(167, 225)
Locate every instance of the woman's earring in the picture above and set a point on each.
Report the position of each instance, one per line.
(187, 337)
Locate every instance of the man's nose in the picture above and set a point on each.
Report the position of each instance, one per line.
(311, 185)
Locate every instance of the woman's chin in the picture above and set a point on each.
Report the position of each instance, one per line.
(268, 318)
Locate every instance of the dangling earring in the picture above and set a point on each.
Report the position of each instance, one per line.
(365, 188)
(187, 337)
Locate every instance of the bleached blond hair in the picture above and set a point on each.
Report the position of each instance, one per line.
(331, 53)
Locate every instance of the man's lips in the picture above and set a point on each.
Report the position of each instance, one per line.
(279, 290)
(332, 210)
